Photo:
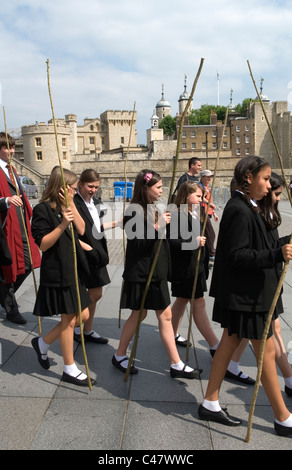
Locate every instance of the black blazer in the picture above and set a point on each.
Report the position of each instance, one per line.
(57, 267)
(182, 233)
(244, 275)
(142, 244)
(99, 254)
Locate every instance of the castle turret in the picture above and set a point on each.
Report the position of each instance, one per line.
(163, 107)
(183, 99)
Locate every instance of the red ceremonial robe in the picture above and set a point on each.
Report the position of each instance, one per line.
(13, 234)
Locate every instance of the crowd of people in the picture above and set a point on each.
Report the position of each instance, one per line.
(248, 260)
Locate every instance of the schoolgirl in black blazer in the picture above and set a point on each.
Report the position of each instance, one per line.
(143, 229)
(57, 293)
(244, 283)
(184, 236)
(95, 247)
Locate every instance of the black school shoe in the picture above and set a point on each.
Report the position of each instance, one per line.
(90, 339)
(118, 365)
(221, 416)
(238, 378)
(75, 381)
(45, 363)
(183, 342)
(282, 430)
(182, 374)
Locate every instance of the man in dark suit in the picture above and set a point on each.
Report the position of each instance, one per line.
(13, 227)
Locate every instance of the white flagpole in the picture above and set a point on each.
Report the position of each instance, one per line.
(218, 82)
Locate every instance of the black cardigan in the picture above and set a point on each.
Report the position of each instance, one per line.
(99, 255)
(182, 233)
(57, 266)
(244, 275)
(142, 244)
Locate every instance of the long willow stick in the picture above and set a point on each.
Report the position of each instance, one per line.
(181, 127)
(125, 198)
(278, 290)
(133, 352)
(22, 216)
(72, 233)
(202, 234)
(125, 174)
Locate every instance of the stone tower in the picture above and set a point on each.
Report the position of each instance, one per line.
(163, 107)
(183, 99)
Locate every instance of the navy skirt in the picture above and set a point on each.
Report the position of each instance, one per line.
(250, 325)
(60, 300)
(157, 298)
(185, 289)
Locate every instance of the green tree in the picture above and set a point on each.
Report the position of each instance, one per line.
(243, 107)
(168, 124)
(201, 116)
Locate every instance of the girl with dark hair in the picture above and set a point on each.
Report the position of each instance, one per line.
(144, 227)
(94, 244)
(243, 284)
(57, 292)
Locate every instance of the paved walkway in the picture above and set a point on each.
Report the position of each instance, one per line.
(151, 411)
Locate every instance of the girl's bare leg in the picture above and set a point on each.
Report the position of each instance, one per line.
(270, 379)
(281, 355)
(178, 309)
(95, 295)
(166, 334)
(236, 356)
(224, 352)
(64, 332)
(202, 321)
(129, 331)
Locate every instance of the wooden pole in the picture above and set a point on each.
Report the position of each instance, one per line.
(133, 352)
(72, 233)
(203, 232)
(124, 202)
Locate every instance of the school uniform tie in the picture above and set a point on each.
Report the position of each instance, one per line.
(10, 173)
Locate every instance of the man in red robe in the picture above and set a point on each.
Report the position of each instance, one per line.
(12, 223)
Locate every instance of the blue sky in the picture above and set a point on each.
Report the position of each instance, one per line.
(110, 54)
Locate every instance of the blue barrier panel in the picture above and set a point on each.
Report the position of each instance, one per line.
(119, 187)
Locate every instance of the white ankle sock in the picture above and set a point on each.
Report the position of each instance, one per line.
(44, 347)
(73, 370)
(181, 338)
(215, 346)
(180, 365)
(211, 405)
(288, 382)
(125, 362)
(92, 333)
(233, 367)
(287, 422)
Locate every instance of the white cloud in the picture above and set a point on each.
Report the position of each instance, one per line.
(108, 55)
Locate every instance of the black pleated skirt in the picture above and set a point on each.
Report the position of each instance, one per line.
(184, 289)
(59, 300)
(250, 325)
(98, 277)
(157, 298)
